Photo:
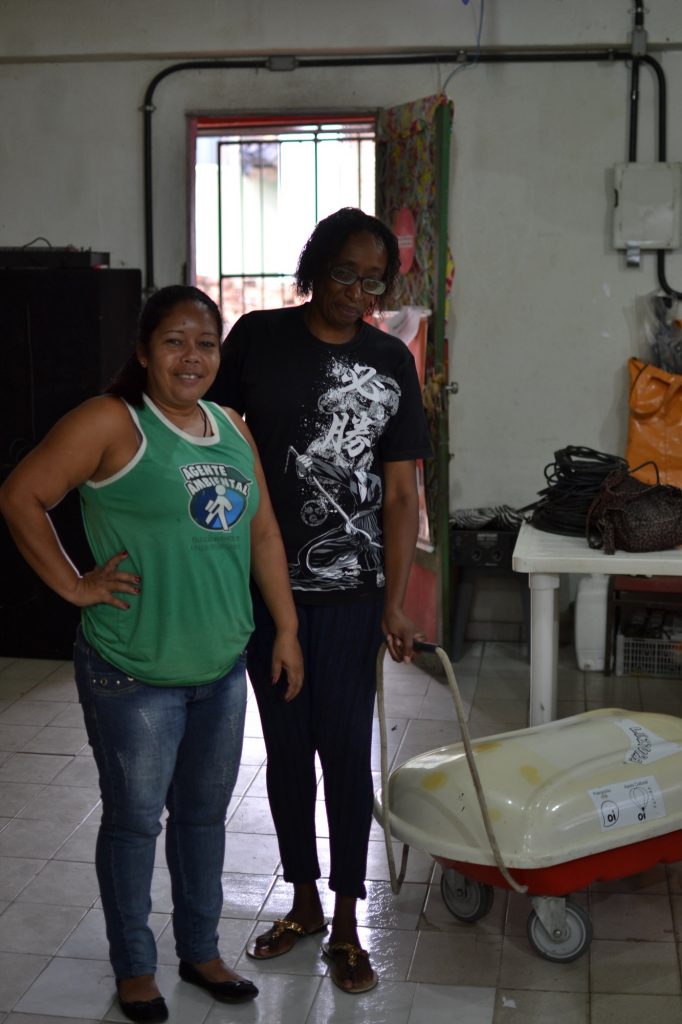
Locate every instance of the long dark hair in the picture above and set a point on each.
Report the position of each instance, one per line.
(131, 380)
(327, 241)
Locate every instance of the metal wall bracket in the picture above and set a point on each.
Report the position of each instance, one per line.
(282, 63)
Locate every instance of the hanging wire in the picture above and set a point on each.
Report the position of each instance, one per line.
(470, 64)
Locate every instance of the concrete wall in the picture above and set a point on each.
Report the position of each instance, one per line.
(543, 312)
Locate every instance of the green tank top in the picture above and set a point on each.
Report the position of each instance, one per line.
(182, 509)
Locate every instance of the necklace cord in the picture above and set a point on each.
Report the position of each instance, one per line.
(204, 418)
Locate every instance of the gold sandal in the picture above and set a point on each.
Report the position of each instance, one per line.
(352, 955)
(279, 928)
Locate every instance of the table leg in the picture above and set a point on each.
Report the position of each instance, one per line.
(544, 646)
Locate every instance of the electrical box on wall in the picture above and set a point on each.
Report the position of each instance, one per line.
(647, 200)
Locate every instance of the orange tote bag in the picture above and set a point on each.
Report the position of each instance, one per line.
(655, 423)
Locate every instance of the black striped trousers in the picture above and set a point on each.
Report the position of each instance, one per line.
(331, 716)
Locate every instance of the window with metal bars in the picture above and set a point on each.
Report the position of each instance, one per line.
(260, 187)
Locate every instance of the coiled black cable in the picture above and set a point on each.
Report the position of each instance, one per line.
(573, 480)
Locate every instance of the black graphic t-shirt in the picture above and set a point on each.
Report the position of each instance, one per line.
(325, 418)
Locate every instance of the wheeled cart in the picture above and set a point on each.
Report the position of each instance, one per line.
(544, 810)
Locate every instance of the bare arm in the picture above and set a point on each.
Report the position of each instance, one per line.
(400, 525)
(75, 450)
(270, 571)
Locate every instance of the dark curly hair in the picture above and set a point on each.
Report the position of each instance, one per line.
(327, 241)
(131, 380)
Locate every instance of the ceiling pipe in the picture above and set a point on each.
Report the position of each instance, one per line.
(286, 63)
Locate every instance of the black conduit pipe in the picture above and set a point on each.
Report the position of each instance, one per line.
(148, 109)
(634, 110)
(268, 63)
(638, 28)
(290, 63)
(662, 153)
(662, 158)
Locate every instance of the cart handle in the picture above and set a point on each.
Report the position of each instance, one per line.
(422, 646)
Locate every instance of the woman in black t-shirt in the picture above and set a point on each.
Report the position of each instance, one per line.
(335, 407)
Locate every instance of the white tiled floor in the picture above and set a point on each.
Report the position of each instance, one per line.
(433, 969)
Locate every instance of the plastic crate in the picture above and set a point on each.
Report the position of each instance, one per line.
(644, 656)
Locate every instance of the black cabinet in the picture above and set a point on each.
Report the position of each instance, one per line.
(65, 334)
(477, 553)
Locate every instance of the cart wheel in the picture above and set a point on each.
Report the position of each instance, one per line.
(466, 900)
(572, 941)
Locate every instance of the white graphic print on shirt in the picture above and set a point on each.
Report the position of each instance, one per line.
(352, 413)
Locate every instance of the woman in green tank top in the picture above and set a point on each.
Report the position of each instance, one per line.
(178, 516)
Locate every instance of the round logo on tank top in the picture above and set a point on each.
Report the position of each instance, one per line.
(219, 494)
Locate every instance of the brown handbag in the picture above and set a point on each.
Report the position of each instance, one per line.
(629, 515)
(655, 423)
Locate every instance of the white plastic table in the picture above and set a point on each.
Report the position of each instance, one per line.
(545, 556)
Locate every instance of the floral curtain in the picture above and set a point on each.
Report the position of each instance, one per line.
(407, 148)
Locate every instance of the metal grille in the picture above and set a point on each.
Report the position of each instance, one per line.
(267, 190)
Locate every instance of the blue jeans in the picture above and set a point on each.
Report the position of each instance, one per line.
(176, 746)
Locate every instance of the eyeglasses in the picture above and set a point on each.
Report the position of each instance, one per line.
(370, 285)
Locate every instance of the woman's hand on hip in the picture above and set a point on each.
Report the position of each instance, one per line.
(104, 583)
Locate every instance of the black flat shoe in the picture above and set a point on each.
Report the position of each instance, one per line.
(151, 1011)
(223, 991)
